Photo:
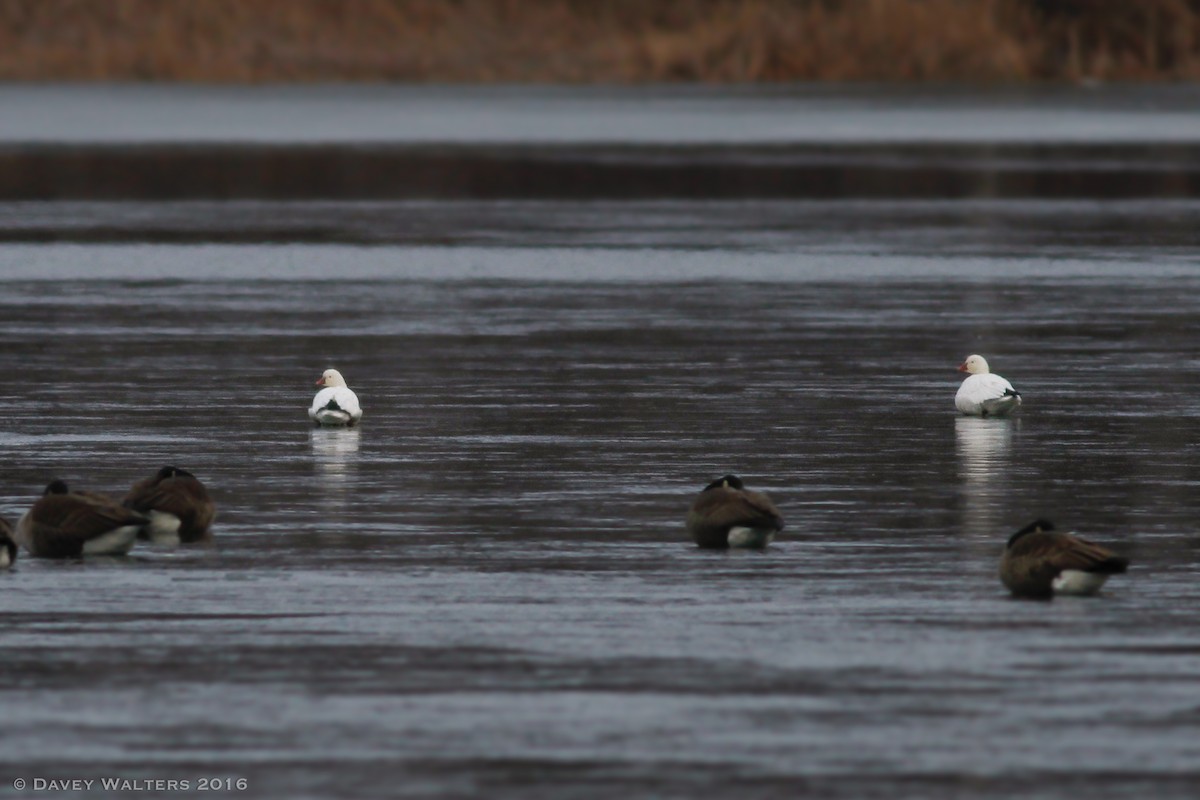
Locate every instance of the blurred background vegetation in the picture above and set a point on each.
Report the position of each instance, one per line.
(600, 41)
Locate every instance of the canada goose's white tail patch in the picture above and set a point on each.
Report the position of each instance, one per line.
(163, 527)
(20, 533)
(740, 536)
(5, 558)
(1078, 582)
(329, 416)
(114, 543)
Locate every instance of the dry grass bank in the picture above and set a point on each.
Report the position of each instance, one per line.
(599, 40)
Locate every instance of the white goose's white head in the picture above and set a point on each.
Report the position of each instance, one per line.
(975, 365)
(331, 377)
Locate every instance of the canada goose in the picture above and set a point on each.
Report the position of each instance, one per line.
(983, 393)
(65, 524)
(726, 514)
(177, 504)
(1039, 562)
(8, 548)
(336, 404)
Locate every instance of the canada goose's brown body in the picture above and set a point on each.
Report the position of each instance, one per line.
(65, 524)
(8, 548)
(726, 514)
(1040, 562)
(177, 504)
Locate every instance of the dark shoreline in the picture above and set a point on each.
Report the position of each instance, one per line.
(346, 172)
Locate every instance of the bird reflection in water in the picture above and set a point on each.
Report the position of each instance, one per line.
(335, 454)
(982, 447)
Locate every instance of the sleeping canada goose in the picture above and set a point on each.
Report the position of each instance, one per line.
(984, 393)
(177, 504)
(65, 524)
(726, 514)
(8, 548)
(336, 404)
(1039, 562)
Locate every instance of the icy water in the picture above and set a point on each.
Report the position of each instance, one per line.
(486, 589)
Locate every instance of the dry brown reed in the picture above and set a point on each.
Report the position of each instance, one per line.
(600, 41)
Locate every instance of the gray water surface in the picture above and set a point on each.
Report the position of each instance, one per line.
(555, 115)
(486, 589)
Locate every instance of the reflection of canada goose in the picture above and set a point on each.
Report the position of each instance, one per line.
(726, 514)
(177, 504)
(8, 548)
(335, 404)
(1039, 562)
(65, 524)
(983, 393)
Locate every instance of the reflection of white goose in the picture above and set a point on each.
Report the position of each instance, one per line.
(983, 466)
(335, 452)
(982, 446)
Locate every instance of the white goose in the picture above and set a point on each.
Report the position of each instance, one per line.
(335, 404)
(983, 393)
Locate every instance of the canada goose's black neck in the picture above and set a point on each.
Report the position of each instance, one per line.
(56, 487)
(173, 472)
(8, 549)
(730, 481)
(1037, 526)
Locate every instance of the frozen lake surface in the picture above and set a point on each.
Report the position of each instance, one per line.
(486, 589)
